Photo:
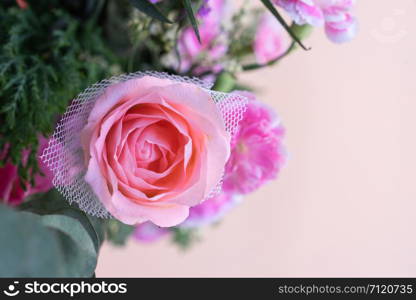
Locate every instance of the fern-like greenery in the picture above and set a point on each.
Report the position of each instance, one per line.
(48, 54)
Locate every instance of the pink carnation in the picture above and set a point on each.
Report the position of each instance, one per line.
(257, 153)
(11, 191)
(211, 210)
(271, 39)
(212, 47)
(340, 24)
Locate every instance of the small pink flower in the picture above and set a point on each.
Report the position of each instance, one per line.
(257, 153)
(11, 192)
(212, 47)
(154, 148)
(211, 210)
(340, 24)
(271, 39)
(148, 232)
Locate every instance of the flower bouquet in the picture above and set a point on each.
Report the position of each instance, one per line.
(126, 119)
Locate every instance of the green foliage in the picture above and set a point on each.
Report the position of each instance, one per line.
(50, 238)
(117, 232)
(185, 237)
(24, 254)
(47, 56)
(52, 203)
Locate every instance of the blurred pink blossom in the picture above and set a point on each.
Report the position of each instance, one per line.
(22, 4)
(257, 152)
(271, 39)
(11, 192)
(212, 47)
(148, 232)
(340, 24)
(303, 11)
(206, 213)
(211, 210)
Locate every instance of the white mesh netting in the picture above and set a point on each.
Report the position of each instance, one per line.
(64, 154)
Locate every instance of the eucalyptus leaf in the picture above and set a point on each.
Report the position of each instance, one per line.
(53, 203)
(79, 236)
(148, 8)
(44, 203)
(80, 251)
(28, 248)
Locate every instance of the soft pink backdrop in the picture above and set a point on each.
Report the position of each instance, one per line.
(345, 205)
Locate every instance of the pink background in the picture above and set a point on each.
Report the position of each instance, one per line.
(345, 205)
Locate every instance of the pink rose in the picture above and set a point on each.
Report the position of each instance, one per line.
(271, 39)
(11, 191)
(154, 148)
(257, 152)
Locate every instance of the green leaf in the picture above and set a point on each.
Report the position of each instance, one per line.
(149, 9)
(99, 227)
(52, 203)
(28, 248)
(273, 10)
(79, 249)
(44, 203)
(79, 235)
(191, 16)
